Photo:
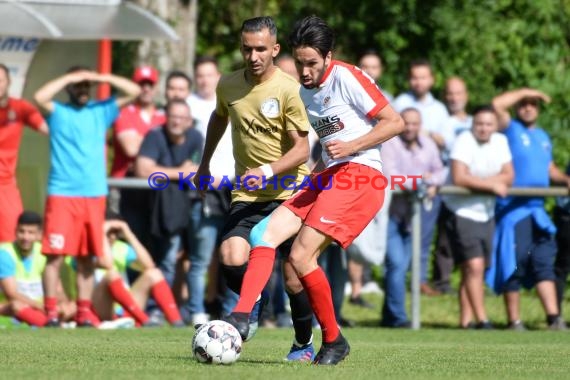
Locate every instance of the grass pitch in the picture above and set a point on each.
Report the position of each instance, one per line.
(164, 353)
(438, 351)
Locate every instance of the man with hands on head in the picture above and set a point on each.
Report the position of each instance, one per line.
(77, 182)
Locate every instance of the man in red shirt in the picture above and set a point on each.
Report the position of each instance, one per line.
(132, 125)
(134, 122)
(14, 114)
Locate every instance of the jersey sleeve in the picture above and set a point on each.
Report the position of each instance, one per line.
(150, 147)
(296, 118)
(362, 92)
(221, 103)
(123, 122)
(110, 111)
(7, 265)
(462, 150)
(32, 116)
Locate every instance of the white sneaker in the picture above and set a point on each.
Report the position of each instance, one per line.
(119, 323)
(200, 319)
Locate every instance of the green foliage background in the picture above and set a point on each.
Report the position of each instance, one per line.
(495, 45)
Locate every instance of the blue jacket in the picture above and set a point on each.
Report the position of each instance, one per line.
(504, 258)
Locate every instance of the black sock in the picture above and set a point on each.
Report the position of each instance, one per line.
(302, 316)
(234, 276)
(551, 318)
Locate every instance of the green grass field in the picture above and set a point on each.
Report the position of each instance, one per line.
(438, 351)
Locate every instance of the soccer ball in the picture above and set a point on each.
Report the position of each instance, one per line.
(216, 342)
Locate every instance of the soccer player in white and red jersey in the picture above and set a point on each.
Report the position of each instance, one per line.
(352, 118)
(14, 114)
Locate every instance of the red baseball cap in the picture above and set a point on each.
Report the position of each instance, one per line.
(145, 73)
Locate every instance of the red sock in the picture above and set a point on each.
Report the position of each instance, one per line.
(163, 296)
(32, 317)
(124, 297)
(85, 312)
(319, 292)
(50, 306)
(259, 270)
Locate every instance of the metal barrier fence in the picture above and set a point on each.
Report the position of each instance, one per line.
(141, 183)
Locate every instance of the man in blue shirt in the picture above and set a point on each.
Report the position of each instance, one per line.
(77, 185)
(524, 238)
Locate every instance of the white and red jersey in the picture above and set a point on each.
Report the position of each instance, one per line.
(342, 108)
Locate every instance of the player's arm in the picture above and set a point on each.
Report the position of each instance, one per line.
(144, 260)
(502, 103)
(389, 124)
(558, 176)
(129, 88)
(44, 96)
(130, 142)
(10, 288)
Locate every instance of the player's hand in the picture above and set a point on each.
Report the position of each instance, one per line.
(200, 179)
(255, 180)
(532, 93)
(115, 224)
(82, 76)
(500, 189)
(339, 149)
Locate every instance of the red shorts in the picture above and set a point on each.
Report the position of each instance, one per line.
(74, 226)
(340, 201)
(10, 210)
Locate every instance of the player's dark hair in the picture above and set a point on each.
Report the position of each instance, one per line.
(5, 69)
(312, 32)
(420, 62)
(257, 24)
(30, 218)
(76, 68)
(203, 59)
(179, 74)
(484, 108)
(175, 102)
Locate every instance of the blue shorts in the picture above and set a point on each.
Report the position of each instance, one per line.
(536, 252)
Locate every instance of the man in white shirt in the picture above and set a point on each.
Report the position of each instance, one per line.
(207, 216)
(480, 160)
(434, 114)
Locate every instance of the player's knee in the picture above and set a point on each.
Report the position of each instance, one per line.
(234, 253)
(293, 285)
(154, 275)
(16, 306)
(257, 232)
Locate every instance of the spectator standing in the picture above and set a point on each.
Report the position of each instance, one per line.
(481, 161)
(562, 264)
(526, 248)
(371, 63)
(207, 215)
(14, 114)
(172, 149)
(134, 122)
(77, 183)
(409, 154)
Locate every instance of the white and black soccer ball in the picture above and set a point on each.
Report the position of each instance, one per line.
(216, 342)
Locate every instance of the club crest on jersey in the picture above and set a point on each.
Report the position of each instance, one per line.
(270, 107)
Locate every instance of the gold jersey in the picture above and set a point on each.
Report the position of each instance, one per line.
(261, 116)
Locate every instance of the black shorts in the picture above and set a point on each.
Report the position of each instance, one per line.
(536, 252)
(469, 239)
(245, 215)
